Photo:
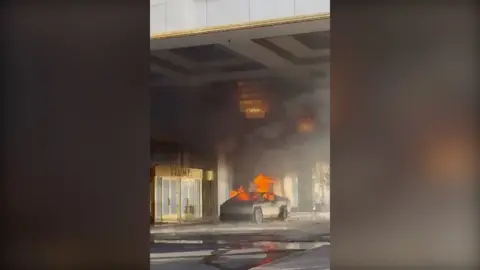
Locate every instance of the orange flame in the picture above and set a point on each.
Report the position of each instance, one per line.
(243, 196)
(260, 184)
(240, 193)
(233, 193)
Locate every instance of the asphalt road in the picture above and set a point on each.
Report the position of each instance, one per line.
(234, 249)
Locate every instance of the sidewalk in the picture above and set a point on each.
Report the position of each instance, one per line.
(309, 216)
(217, 227)
(210, 225)
(205, 220)
(211, 220)
(316, 258)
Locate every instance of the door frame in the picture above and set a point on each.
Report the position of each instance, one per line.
(178, 194)
(195, 190)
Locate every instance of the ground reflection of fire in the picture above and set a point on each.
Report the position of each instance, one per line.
(268, 246)
(265, 261)
(260, 184)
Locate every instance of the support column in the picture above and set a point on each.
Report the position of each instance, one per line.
(224, 179)
(305, 186)
(221, 179)
(304, 170)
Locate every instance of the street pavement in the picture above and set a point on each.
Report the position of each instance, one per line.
(295, 219)
(234, 246)
(317, 258)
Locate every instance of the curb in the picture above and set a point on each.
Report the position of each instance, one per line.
(325, 216)
(216, 229)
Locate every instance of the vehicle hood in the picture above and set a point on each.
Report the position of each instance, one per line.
(237, 203)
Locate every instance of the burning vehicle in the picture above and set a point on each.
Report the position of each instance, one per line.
(256, 205)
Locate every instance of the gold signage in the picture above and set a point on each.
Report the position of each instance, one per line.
(252, 100)
(177, 171)
(255, 113)
(247, 104)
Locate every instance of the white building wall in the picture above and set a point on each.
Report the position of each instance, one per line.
(178, 15)
(224, 179)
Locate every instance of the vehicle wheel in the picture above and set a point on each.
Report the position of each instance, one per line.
(283, 215)
(257, 215)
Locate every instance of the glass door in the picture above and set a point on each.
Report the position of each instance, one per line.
(170, 199)
(198, 198)
(194, 198)
(191, 199)
(158, 199)
(186, 200)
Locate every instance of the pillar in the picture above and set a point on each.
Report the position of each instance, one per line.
(305, 186)
(302, 161)
(224, 179)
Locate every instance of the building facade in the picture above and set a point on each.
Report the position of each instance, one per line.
(199, 43)
(184, 15)
(181, 185)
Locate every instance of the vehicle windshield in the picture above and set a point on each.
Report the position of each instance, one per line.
(247, 196)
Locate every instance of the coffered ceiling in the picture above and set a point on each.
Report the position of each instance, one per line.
(296, 50)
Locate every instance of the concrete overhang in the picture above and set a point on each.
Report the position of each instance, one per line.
(297, 48)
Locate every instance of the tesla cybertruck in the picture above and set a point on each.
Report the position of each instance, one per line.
(255, 207)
